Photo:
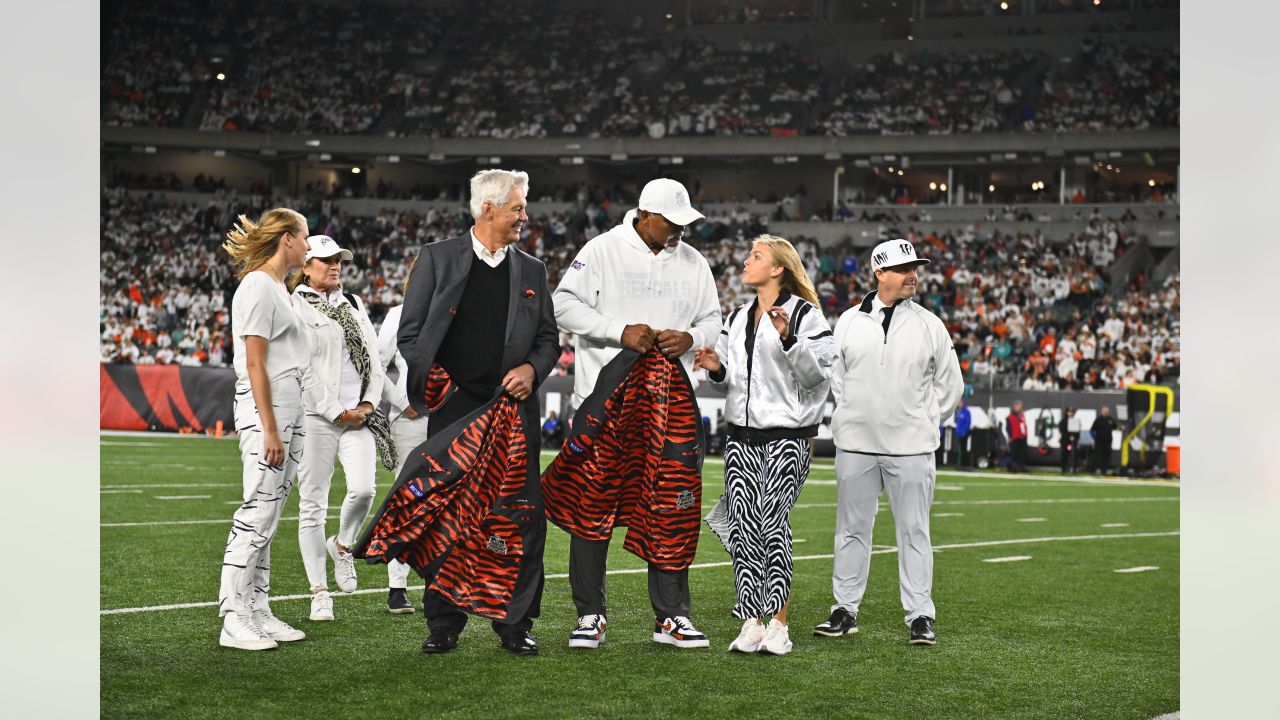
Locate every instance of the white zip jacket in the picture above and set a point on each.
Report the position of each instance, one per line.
(327, 353)
(893, 390)
(616, 281)
(776, 390)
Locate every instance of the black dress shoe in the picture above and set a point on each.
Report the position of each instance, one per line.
(398, 602)
(922, 631)
(520, 643)
(841, 622)
(439, 641)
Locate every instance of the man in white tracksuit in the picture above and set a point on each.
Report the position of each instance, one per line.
(636, 286)
(897, 381)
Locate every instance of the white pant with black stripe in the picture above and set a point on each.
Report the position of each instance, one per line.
(408, 433)
(326, 443)
(246, 562)
(762, 481)
(909, 481)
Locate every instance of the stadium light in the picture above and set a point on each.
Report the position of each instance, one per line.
(991, 188)
(355, 171)
(901, 172)
(221, 76)
(943, 187)
(325, 157)
(313, 143)
(393, 158)
(933, 186)
(1151, 183)
(1004, 6)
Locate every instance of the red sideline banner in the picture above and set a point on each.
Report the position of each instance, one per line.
(165, 397)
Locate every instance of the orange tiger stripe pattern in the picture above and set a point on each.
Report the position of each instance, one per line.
(439, 388)
(633, 458)
(455, 511)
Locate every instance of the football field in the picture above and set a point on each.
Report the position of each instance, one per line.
(1057, 598)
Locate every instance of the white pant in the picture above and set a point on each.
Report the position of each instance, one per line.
(355, 448)
(408, 434)
(909, 480)
(246, 562)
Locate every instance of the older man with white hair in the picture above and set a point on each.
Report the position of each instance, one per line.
(897, 381)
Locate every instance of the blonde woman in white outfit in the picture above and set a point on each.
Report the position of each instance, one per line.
(271, 369)
(339, 409)
(408, 430)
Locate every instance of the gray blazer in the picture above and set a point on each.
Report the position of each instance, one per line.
(435, 287)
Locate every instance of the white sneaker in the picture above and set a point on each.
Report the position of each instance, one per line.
(679, 631)
(238, 631)
(589, 633)
(275, 628)
(344, 566)
(748, 641)
(777, 641)
(321, 606)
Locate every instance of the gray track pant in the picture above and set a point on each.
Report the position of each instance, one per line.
(909, 480)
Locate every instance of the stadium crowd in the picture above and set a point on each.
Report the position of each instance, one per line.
(591, 77)
(1031, 310)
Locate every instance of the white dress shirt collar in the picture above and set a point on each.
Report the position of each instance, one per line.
(491, 259)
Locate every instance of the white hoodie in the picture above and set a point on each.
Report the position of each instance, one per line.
(615, 281)
(893, 391)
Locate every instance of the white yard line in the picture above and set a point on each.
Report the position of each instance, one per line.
(117, 492)
(696, 566)
(1011, 558)
(1140, 568)
(182, 497)
(1033, 519)
(1037, 501)
(1115, 525)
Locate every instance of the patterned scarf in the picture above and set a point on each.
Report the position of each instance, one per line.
(363, 361)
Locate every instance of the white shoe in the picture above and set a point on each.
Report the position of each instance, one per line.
(344, 566)
(679, 631)
(748, 641)
(321, 606)
(589, 633)
(275, 628)
(777, 641)
(238, 631)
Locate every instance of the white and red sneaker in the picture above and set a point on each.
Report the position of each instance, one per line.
(589, 633)
(679, 631)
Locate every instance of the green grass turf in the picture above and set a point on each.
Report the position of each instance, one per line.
(1058, 636)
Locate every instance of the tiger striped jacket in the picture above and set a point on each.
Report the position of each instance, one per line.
(775, 389)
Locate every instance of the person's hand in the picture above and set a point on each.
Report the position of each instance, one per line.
(272, 449)
(518, 381)
(354, 417)
(410, 413)
(674, 343)
(779, 318)
(639, 337)
(706, 358)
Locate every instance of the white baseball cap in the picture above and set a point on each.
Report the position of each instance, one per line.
(323, 246)
(669, 199)
(891, 253)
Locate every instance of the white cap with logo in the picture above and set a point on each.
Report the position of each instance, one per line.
(892, 253)
(323, 246)
(669, 199)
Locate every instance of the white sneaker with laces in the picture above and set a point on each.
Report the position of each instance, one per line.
(748, 641)
(275, 628)
(679, 631)
(589, 633)
(321, 606)
(344, 566)
(777, 641)
(238, 631)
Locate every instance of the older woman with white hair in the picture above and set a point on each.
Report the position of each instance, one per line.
(341, 423)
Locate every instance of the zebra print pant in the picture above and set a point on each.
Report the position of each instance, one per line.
(761, 483)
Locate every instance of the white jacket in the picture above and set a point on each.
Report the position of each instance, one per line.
(893, 391)
(615, 281)
(327, 353)
(775, 387)
(395, 393)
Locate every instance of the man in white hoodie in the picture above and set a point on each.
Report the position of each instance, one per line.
(897, 381)
(636, 286)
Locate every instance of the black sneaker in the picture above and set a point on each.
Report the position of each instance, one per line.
(520, 643)
(922, 631)
(398, 602)
(841, 622)
(440, 641)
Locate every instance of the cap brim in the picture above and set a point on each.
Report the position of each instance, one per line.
(683, 216)
(346, 255)
(914, 263)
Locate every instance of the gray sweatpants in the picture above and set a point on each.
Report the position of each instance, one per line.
(909, 480)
